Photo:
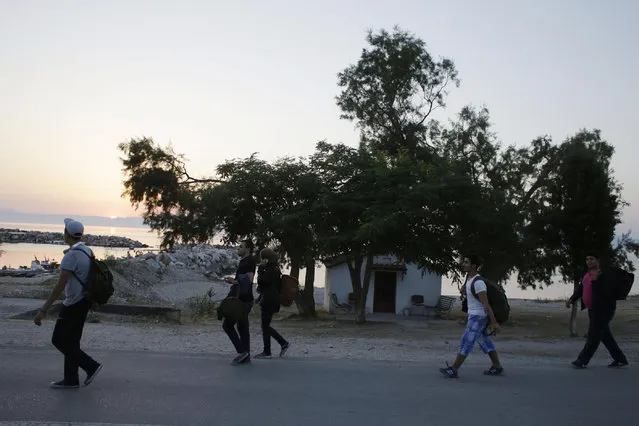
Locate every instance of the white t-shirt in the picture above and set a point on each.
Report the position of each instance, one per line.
(474, 305)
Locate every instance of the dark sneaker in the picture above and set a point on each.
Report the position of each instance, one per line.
(285, 347)
(91, 377)
(494, 371)
(62, 385)
(449, 372)
(241, 358)
(618, 364)
(263, 356)
(578, 364)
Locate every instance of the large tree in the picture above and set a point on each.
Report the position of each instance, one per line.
(249, 198)
(272, 202)
(508, 185)
(392, 90)
(587, 205)
(157, 180)
(372, 206)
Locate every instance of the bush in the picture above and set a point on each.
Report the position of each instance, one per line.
(203, 307)
(110, 261)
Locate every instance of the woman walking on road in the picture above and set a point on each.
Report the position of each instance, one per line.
(269, 283)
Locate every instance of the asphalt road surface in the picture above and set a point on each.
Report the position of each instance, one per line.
(174, 389)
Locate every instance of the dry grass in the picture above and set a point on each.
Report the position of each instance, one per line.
(529, 321)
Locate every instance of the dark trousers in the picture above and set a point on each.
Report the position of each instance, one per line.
(268, 332)
(241, 338)
(599, 332)
(66, 338)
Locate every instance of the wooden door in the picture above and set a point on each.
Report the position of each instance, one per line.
(384, 293)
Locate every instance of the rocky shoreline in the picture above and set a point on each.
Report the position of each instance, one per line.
(39, 237)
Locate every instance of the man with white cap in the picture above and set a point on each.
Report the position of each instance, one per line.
(74, 271)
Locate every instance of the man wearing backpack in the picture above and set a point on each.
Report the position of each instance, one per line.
(597, 294)
(74, 269)
(479, 315)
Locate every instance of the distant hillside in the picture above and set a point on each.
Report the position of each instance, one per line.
(7, 215)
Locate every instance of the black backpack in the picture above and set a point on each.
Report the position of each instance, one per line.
(622, 283)
(496, 299)
(99, 286)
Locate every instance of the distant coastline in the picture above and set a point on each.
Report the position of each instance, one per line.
(14, 216)
(38, 237)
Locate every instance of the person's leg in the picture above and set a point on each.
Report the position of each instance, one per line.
(244, 329)
(618, 357)
(230, 331)
(595, 332)
(474, 327)
(277, 336)
(488, 347)
(79, 358)
(266, 317)
(62, 340)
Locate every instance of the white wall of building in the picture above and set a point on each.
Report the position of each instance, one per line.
(337, 280)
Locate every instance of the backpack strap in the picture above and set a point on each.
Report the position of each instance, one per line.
(472, 287)
(82, 283)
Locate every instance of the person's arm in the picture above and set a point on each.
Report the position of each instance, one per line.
(234, 281)
(55, 295)
(260, 280)
(576, 295)
(65, 276)
(579, 291)
(483, 298)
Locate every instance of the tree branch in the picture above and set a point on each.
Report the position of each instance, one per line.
(190, 180)
(543, 176)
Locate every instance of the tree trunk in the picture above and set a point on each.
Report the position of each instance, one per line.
(368, 271)
(355, 270)
(295, 269)
(305, 299)
(573, 314)
(309, 289)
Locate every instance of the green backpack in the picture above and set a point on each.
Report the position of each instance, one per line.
(496, 299)
(99, 286)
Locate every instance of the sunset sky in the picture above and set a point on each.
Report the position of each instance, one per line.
(224, 79)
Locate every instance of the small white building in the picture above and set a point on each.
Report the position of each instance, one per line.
(392, 286)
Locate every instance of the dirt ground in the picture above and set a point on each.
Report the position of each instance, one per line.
(537, 328)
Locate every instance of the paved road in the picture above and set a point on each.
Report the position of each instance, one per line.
(174, 389)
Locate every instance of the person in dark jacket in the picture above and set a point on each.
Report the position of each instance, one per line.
(269, 283)
(242, 287)
(596, 292)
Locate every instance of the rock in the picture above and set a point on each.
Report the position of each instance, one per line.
(154, 264)
(164, 259)
(40, 237)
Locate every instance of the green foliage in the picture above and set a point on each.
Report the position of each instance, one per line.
(156, 178)
(393, 89)
(425, 192)
(507, 184)
(110, 261)
(586, 206)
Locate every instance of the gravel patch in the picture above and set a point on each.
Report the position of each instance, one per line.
(209, 338)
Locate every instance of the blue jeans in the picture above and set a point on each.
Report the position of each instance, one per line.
(475, 333)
